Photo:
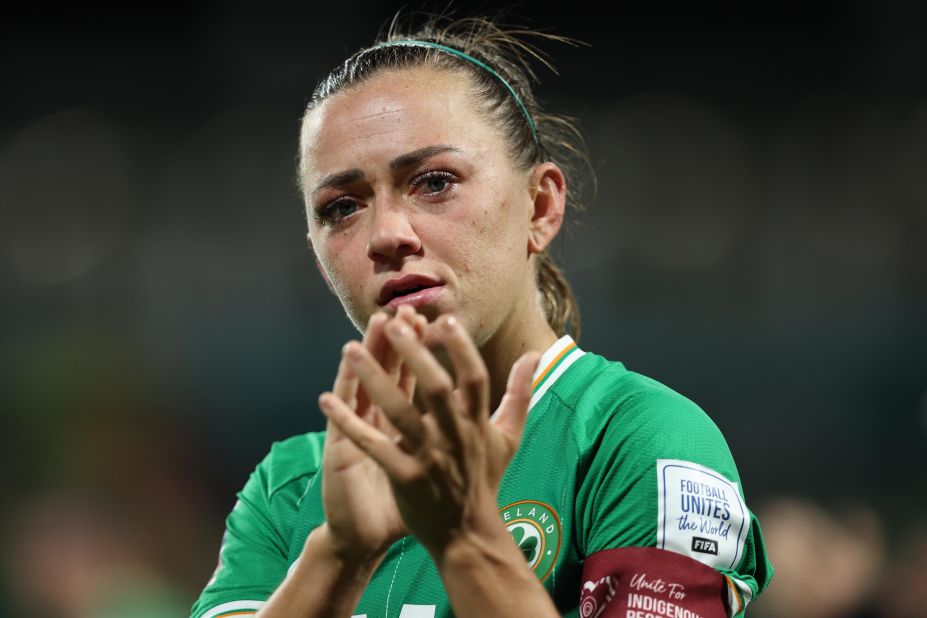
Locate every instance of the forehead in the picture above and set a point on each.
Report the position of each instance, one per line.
(392, 112)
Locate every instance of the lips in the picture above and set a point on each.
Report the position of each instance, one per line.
(413, 289)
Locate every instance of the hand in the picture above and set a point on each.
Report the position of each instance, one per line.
(360, 511)
(447, 460)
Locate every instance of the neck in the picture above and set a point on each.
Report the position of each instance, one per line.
(525, 331)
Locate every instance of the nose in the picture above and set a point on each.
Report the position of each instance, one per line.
(391, 235)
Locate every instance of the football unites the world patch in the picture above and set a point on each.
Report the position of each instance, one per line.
(700, 514)
(535, 527)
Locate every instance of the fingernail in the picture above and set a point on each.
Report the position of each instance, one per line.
(451, 323)
(399, 329)
(352, 350)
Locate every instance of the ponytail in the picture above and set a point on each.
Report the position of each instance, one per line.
(557, 299)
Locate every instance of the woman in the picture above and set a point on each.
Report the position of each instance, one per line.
(434, 184)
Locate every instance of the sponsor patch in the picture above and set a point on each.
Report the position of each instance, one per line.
(700, 514)
(535, 527)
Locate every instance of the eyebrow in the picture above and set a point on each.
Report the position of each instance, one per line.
(405, 160)
(417, 156)
(337, 179)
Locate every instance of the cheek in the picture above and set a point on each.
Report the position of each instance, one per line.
(501, 228)
(467, 238)
(344, 267)
(490, 242)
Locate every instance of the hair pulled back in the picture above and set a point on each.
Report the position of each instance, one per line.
(509, 52)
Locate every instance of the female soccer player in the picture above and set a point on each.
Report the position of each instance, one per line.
(476, 462)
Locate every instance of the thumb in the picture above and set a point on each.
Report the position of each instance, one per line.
(332, 433)
(511, 413)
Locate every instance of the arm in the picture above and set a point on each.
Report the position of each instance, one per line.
(661, 516)
(322, 582)
(486, 575)
(446, 467)
(254, 554)
(340, 556)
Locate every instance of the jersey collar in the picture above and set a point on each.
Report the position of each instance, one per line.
(556, 360)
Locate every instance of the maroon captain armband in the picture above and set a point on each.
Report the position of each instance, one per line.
(646, 582)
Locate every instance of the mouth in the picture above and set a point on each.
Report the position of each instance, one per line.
(415, 290)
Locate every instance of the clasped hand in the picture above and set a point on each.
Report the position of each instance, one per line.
(411, 446)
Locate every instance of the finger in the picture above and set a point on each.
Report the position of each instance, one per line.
(373, 334)
(513, 410)
(421, 325)
(333, 434)
(381, 388)
(380, 447)
(417, 322)
(384, 353)
(406, 313)
(375, 341)
(392, 360)
(433, 384)
(469, 368)
(407, 381)
(346, 384)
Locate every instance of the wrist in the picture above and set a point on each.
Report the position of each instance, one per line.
(474, 565)
(486, 544)
(321, 544)
(472, 524)
(323, 581)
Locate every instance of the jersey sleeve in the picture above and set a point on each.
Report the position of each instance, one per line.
(254, 555)
(662, 519)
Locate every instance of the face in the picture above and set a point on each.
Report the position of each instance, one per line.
(413, 199)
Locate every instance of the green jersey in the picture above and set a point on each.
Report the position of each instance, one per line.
(623, 494)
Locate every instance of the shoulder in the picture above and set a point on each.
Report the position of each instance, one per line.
(656, 473)
(628, 409)
(291, 459)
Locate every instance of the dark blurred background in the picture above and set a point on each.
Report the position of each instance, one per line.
(758, 242)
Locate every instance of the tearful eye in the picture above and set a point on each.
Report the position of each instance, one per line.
(345, 208)
(435, 184)
(336, 212)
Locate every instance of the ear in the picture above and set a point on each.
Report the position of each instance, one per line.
(318, 265)
(548, 195)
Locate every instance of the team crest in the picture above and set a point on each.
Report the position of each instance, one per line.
(535, 527)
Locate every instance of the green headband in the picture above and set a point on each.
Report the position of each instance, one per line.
(468, 58)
